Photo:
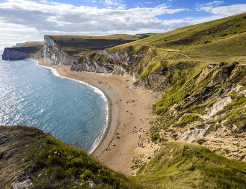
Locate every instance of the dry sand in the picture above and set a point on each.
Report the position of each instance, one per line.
(130, 118)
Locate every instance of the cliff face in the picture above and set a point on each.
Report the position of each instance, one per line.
(39, 54)
(127, 62)
(54, 55)
(22, 51)
(118, 63)
(14, 54)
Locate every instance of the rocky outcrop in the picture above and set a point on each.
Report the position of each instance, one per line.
(54, 55)
(39, 54)
(22, 181)
(118, 62)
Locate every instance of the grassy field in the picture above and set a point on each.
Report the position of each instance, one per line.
(83, 45)
(38, 44)
(199, 34)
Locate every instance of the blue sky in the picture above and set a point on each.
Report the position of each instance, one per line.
(30, 20)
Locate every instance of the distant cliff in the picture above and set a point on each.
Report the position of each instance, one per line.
(14, 54)
(25, 51)
(66, 49)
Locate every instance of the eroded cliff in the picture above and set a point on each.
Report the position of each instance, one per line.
(54, 55)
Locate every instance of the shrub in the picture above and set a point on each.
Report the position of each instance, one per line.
(155, 136)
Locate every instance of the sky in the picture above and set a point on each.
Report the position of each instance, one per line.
(30, 20)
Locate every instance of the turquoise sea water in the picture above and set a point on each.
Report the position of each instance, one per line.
(36, 96)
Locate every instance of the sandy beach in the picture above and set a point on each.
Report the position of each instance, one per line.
(130, 118)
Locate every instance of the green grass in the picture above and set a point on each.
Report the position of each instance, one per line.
(236, 116)
(79, 46)
(199, 34)
(63, 166)
(187, 119)
(52, 163)
(230, 49)
(180, 165)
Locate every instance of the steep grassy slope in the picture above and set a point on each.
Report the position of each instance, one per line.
(198, 34)
(180, 165)
(27, 155)
(204, 101)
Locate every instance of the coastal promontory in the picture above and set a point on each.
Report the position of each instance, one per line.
(23, 51)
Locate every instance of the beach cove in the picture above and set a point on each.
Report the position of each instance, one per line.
(129, 118)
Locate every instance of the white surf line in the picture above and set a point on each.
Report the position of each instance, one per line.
(96, 90)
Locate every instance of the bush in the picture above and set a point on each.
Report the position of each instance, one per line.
(201, 141)
(187, 119)
(155, 136)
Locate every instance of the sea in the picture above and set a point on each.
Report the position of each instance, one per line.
(37, 96)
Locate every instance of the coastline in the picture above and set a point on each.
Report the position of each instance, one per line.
(96, 90)
(129, 117)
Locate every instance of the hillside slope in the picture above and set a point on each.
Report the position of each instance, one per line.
(31, 159)
(199, 34)
(180, 165)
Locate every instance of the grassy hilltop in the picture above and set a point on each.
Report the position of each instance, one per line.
(82, 45)
(201, 124)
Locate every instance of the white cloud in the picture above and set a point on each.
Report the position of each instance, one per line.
(24, 20)
(119, 4)
(229, 10)
(34, 19)
(10, 34)
(222, 11)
